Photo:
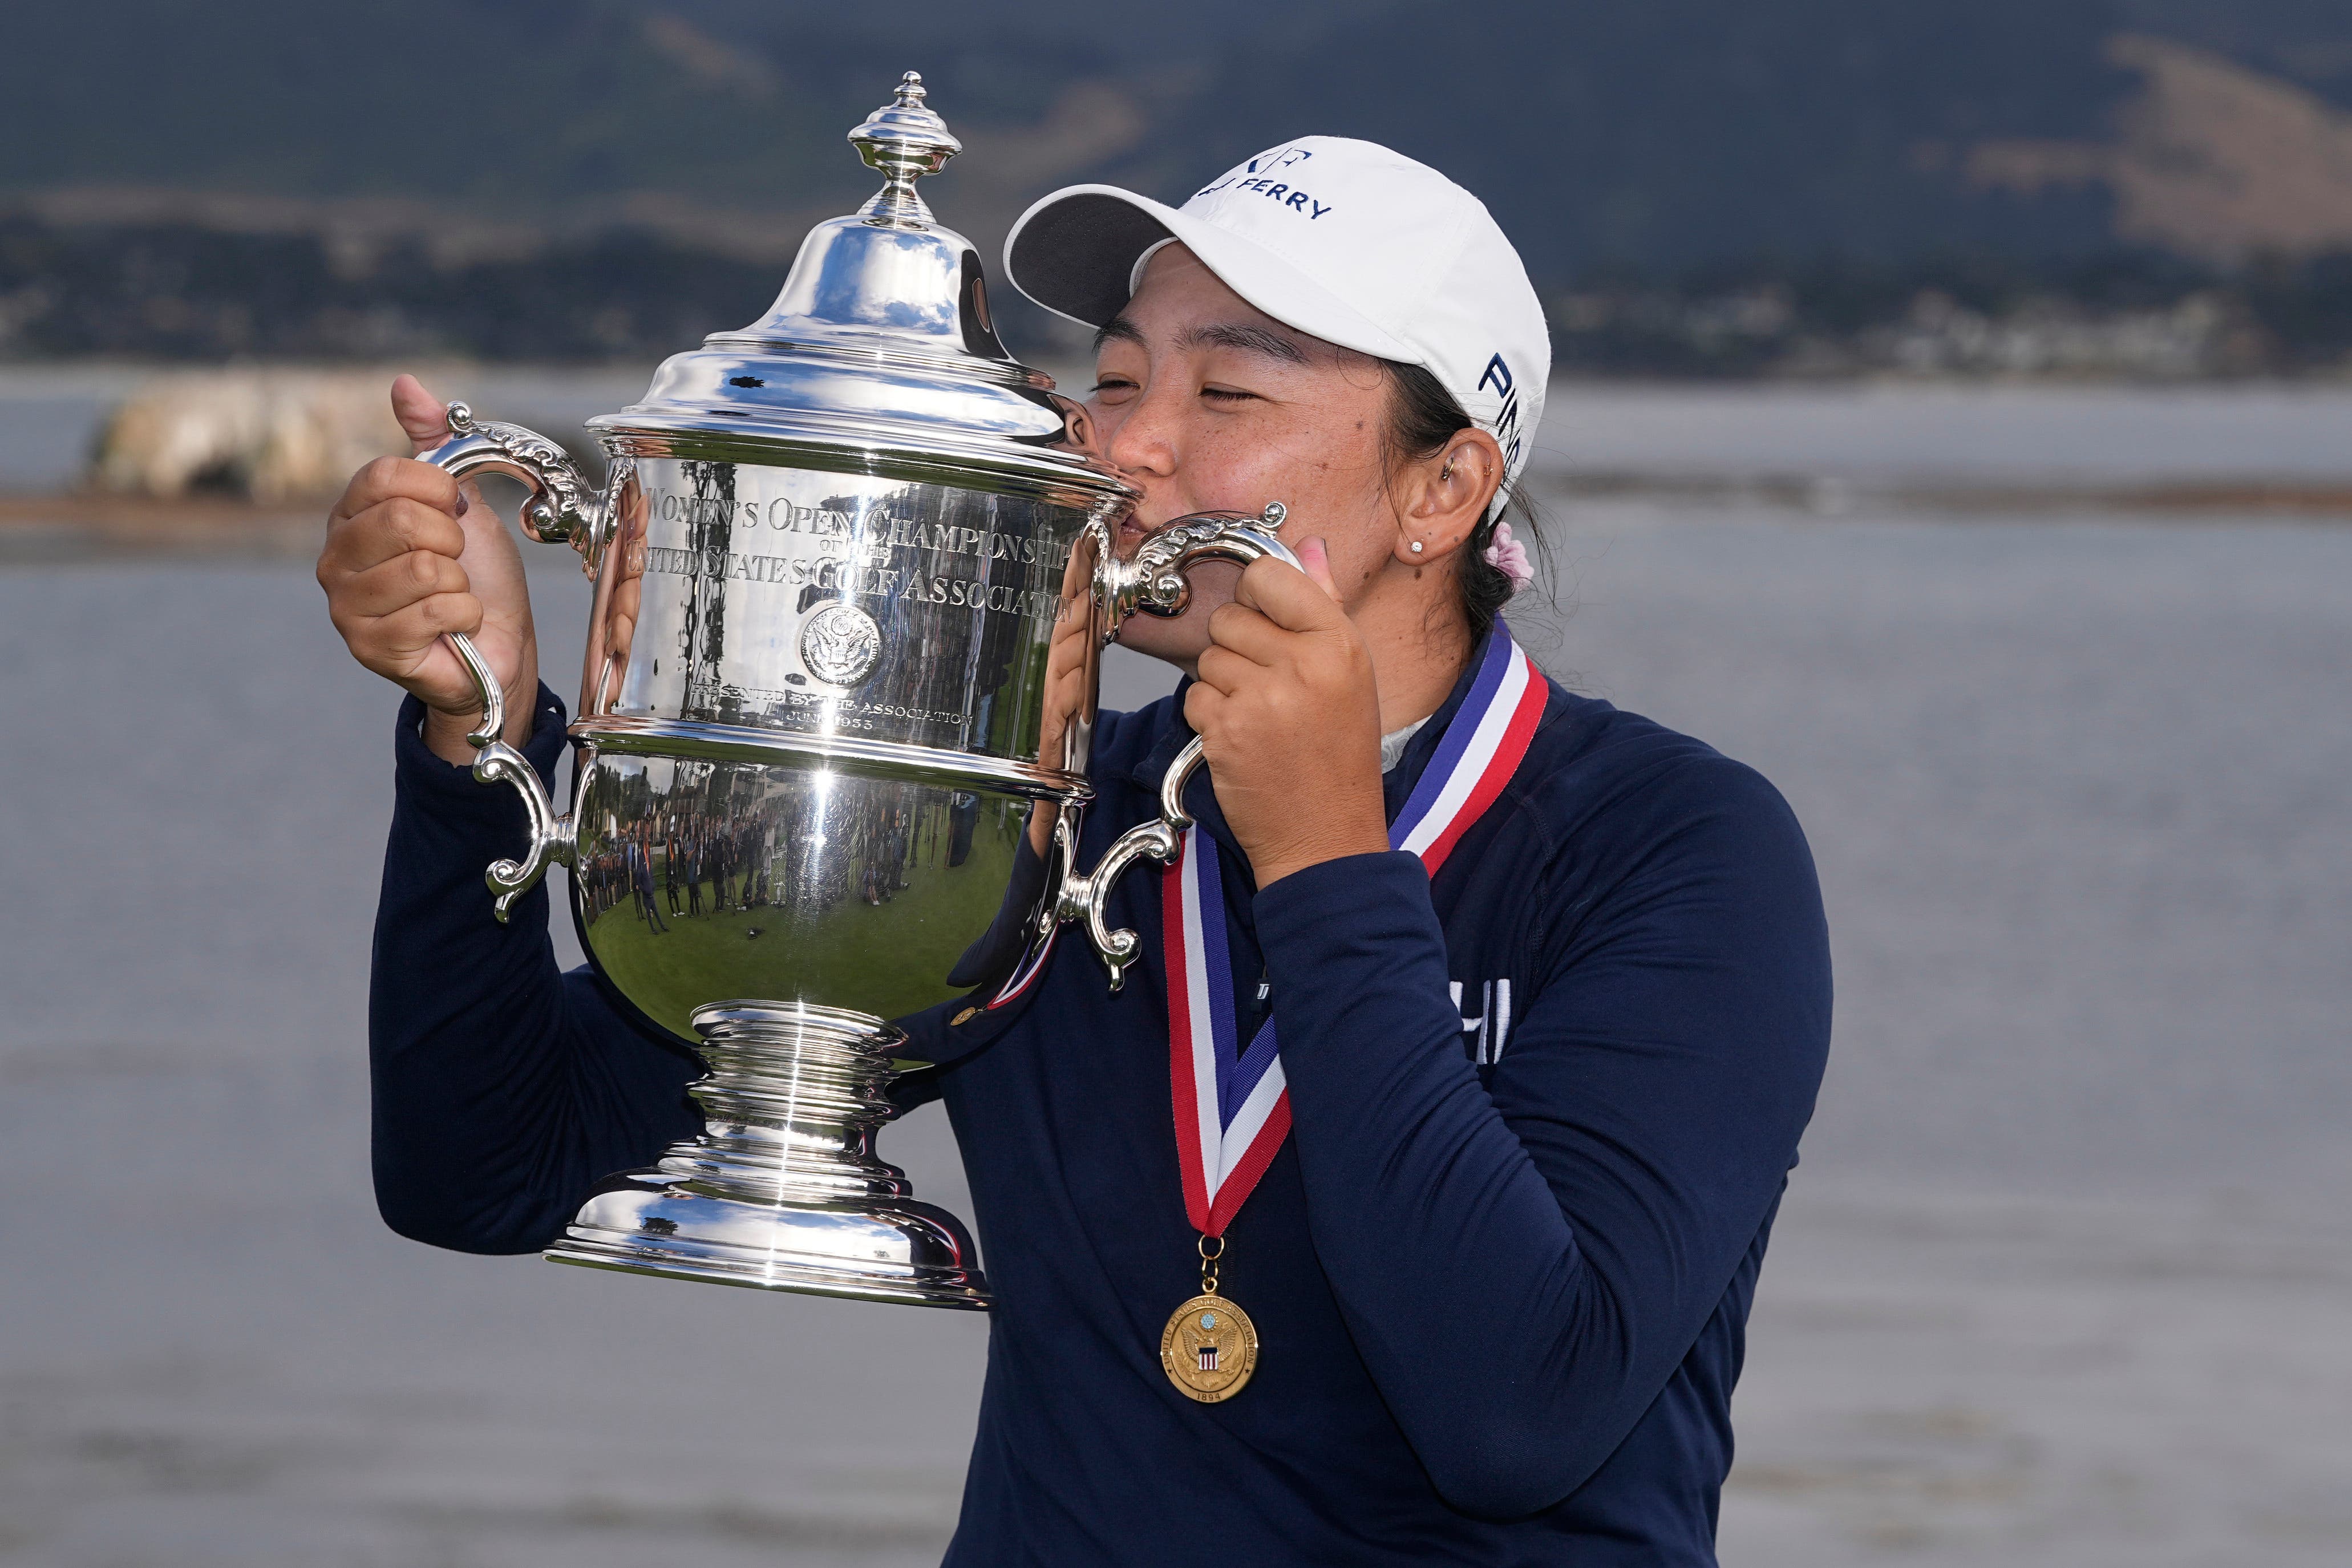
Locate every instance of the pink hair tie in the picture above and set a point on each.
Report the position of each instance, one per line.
(1509, 556)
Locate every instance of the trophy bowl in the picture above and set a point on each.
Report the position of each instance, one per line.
(852, 573)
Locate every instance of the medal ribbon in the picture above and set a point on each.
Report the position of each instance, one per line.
(1033, 965)
(1232, 1107)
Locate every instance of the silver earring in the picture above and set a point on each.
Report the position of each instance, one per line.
(1416, 547)
(1445, 473)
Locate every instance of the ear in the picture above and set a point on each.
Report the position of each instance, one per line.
(1442, 500)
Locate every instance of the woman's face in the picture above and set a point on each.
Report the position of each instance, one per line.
(1206, 404)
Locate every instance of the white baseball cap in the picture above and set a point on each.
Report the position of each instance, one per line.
(1343, 240)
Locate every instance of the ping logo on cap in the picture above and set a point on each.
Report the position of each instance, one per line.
(1256, 174)
(1507, 420)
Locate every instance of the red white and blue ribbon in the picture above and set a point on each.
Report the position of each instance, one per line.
(1233, 1106)
(1032, 964)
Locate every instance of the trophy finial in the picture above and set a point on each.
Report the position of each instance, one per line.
(906, 140)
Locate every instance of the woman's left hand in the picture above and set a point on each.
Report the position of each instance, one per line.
(1289, 716)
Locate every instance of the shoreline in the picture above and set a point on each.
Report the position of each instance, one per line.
(1831, 496)
(81, 526)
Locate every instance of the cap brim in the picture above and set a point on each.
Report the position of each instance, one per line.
(1074, 253)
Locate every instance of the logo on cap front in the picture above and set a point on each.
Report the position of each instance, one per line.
(1279, 158)
(1265, 175)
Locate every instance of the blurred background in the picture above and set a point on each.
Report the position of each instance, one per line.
(1954, 421)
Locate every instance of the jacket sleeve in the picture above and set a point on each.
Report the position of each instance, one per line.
(502, 1088)
(1524, 1264)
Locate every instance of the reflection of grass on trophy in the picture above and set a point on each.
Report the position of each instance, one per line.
(888, 959)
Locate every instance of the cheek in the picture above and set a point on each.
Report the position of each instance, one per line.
(1304, 464)
(1227, 456)
(1359, 558)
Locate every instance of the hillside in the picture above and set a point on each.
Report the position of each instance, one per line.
(576, 177)
(1656, 134)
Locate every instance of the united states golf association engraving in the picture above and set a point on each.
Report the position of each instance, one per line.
(840, 645)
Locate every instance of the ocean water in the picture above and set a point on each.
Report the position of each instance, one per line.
(2062, 1278)
(1954, 434)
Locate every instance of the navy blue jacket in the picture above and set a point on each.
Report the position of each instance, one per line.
(1500, 1271)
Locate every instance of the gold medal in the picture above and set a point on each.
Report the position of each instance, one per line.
(1209, 1349)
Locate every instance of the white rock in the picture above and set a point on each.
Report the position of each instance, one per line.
(270, 436)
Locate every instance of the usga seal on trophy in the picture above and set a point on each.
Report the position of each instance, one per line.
(851, 579)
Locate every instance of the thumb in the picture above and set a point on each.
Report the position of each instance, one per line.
(422, 417)
(1315, 561)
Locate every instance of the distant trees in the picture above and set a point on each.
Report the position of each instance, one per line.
(194, 294)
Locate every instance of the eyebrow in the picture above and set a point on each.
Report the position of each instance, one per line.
(1248, 339)
(1238, 335)
(1118, 328)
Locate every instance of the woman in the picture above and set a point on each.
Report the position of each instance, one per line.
(1482, 1133)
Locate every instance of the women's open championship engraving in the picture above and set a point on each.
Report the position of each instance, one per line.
(852, 578)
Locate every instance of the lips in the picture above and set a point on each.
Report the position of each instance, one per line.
(1133, 531)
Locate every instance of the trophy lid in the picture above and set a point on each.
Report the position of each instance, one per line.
(879, 355)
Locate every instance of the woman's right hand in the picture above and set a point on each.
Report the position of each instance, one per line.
(411, 554)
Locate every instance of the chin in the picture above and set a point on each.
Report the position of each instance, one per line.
(1179, 641)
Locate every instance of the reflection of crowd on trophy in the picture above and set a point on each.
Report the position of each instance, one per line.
(687, 860)
(624, 870)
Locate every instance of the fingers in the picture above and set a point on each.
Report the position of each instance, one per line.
(1223, 670)
(391, 530)
(392, 644)
(1271, 606)
(401, 572)
(1067, 654)
(1288, 596)
(397, 583)
(1316, 560)
(1248, 632)
(423, 418)
(399, 479)
(1204, 705)
(427, 424)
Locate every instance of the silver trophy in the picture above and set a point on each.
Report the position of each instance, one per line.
(852, 578)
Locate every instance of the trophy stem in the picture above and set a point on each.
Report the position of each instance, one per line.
(782, 1190)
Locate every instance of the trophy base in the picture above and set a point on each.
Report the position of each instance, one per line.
(644, 1223)
(782, 1191)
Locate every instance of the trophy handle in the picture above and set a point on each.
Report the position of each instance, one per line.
(1155, 582)
(562, 508)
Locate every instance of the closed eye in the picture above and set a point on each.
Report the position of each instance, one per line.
(1228, 394)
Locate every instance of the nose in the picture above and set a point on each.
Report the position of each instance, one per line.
(1140, 439)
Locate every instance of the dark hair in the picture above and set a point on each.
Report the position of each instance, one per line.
(1423, 417)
